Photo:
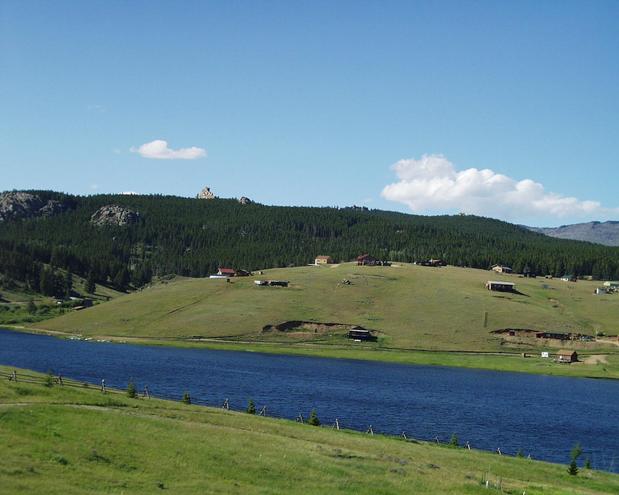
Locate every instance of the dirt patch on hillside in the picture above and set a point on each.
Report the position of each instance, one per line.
(299, 326)
(596, 359)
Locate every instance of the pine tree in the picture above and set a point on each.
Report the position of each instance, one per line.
(454, 440)
(68, 284)
(90, 283)
(31, 308)
(313, 419)
(132, 391)
(251, 407)
(574, 454)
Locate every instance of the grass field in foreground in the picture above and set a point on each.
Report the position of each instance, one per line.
(66, 440)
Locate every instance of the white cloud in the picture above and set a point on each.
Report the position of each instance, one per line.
(159, 150)
(432, 183)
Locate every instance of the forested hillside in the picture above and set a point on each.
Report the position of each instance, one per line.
(193, 237)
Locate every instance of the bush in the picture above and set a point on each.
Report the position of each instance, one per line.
(31, 308)
(313, 419)
(454, 440)
(573, 468)
(132, 391)
(49, 379)
(574, 454)
(186, 398)
(588, 463)
(251, 407)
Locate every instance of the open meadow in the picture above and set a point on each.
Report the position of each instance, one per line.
(412, 309)
(73, 439)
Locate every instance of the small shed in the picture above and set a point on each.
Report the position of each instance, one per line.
(500, 286)
(568, 278)
(366, 259)
(358, 333)
(323, 260)
(567, 356)
(226, 272)
(501, 269)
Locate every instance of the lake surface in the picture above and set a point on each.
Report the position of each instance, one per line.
(541, 415)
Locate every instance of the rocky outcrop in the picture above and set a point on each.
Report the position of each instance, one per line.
(205, 193)
(114, 215)
(245, 201)
(15, 205)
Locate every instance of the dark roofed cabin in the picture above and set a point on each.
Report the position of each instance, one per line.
(361, 334)
(500, 286)
(567, 356)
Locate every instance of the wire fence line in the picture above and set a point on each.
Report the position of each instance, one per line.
(50, 380)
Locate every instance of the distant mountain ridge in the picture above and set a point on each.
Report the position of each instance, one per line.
(606, 233)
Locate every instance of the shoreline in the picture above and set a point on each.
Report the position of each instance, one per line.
(481, 360)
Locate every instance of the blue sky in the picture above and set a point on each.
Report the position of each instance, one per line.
(508, 110)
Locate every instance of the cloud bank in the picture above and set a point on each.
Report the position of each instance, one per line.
(159, 150)
(433, 184)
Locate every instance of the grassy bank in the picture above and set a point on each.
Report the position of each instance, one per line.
(411, 308)
(63, 440)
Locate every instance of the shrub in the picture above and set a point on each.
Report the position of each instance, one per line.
(31, 308)
(49, 379)
(313, 419)
(574, 454)
(186, 398)
(132, 391)
(60, 459)
(572, 468)
(454, 440)
(251, 407)
(587, 463)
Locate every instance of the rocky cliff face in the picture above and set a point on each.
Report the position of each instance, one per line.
(114, 215)
(205, 193)
(16, 205)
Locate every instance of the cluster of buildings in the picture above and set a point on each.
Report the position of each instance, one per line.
(362, 260)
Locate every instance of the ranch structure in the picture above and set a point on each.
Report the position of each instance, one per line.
(567, 356)
(500, 286)
(323, 260)
(501, 269)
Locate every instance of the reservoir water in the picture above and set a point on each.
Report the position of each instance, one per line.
(541, 415)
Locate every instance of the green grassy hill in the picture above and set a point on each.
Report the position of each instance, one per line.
(410, 307)
(73, 440)
(15, 299)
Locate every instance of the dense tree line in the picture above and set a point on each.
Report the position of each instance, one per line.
(194, 237)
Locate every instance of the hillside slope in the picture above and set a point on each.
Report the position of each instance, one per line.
(67, 439)
(410, 306)
(606, 233)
